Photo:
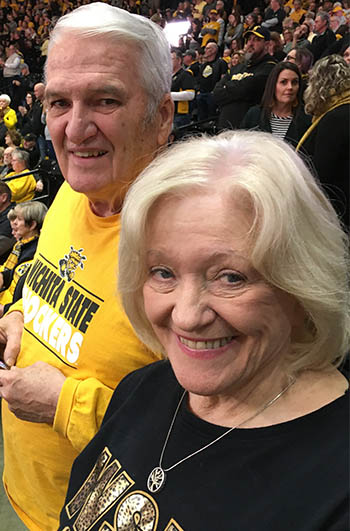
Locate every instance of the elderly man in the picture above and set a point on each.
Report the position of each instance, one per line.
(325, 37)
(109, 110)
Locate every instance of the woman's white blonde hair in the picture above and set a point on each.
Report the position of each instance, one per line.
(298, 244)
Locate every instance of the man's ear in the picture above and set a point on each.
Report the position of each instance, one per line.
(165, 119)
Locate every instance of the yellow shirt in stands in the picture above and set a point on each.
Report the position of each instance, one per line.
(212, 26)
(73, 321)
(23, 188)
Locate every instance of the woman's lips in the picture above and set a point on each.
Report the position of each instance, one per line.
(204, 348)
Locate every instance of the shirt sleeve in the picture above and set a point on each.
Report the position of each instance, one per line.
(80, 410)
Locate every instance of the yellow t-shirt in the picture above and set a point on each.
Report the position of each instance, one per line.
(208, 36)
(23, 188)
(73, 321)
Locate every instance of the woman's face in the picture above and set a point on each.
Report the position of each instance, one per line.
(220, 322)
(19, 227)
(287, 87)
(291, 57)
(346, 55)
(29, 99)
(235, 59)
(8, 140)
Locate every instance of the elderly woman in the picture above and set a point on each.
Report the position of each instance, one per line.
(237, 272)
(26, 221)
(7, 115)
(327, 99)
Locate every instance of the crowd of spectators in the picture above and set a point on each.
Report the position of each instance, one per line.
(221, 68)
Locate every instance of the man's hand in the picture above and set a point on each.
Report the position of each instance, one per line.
(11, 328)
(32, 393)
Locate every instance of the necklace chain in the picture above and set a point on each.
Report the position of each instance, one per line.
(157, 477)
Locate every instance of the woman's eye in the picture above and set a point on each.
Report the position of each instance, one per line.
(231, 278)
(160, 273)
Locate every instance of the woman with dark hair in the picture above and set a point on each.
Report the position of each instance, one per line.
(327, 99)
(25, 113)
(280, 112)
(234, 29)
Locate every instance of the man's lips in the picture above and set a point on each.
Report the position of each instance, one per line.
(88, 154)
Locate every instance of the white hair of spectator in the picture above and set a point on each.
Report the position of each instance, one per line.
(98, 19)
(297, 243)
(5, 97)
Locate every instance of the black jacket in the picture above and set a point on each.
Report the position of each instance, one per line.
(257, 118)
(241, 88)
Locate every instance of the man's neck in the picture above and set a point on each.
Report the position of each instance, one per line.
(4, 207)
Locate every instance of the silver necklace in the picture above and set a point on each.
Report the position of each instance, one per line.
(157, 477)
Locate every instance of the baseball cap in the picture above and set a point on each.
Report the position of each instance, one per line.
(29, 137)
(213, 11)
(259, 31)
(192, 53)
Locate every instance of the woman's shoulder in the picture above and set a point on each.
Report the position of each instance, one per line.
(252, 117)
(140, 384)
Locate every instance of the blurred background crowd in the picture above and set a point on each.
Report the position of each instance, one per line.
(273, 66)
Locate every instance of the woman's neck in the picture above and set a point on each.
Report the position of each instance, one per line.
(282, 109)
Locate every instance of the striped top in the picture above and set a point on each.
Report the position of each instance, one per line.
(280, 125)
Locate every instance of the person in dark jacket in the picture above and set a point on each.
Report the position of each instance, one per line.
(326, 142)
(281, 112)
(211, 71)
(274, 16)
(325, 36)
(243, 85)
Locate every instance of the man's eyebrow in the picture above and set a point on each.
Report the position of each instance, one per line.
(112, 90)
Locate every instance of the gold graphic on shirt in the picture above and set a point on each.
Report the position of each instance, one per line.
(239, 77)
(70, 263)
(136, 512)
(99, 492)
(207, 71)
(173, 526)
(23, 268)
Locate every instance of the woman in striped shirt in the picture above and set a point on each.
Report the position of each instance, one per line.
(281, 112)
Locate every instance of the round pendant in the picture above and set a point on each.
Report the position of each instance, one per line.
(156, 479)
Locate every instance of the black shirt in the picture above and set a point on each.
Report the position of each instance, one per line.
(291, 476)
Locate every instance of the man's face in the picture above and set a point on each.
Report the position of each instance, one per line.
(297, 5)
(274, 5)
(176, 62)
(210, 51)
(188, 60)
(29, 144)
(320, 25)
(213, 17)
(39, 91)
(97, 116)
(255, 47)
(10, 50)
(8, 156)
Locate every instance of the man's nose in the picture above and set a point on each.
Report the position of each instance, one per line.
(80, 126)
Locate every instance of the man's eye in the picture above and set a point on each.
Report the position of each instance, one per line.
(58, 104)
(108, 101)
